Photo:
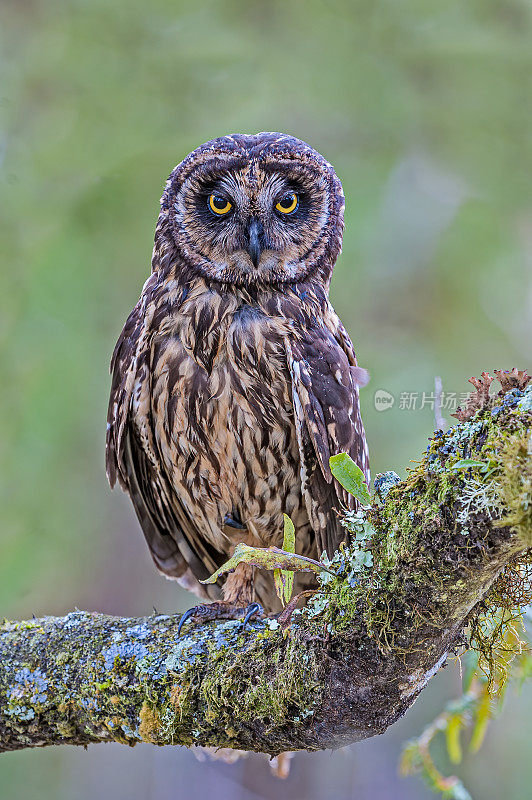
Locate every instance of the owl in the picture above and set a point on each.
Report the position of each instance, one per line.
(233, 380)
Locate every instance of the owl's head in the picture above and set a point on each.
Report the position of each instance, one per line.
(262, 209)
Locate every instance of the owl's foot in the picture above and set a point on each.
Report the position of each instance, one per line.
(286, 614)
(221, 610)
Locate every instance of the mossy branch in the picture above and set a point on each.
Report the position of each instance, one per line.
(425, 560)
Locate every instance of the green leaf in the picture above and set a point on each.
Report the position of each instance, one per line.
(270, 558)
(289, 541)
(279, 583)
(482, 718)
(467, 463)
(452, 736)
(284, 584)
(351, 477)
(284, 579)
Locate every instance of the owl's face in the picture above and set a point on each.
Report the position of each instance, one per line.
(264, 209)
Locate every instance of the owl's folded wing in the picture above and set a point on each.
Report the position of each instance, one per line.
(177, 548)
(325, 382)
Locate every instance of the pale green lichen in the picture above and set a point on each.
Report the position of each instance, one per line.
(479, 496)
(384, 483)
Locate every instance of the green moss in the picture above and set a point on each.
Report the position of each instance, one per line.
(262, 685)
(515, 483)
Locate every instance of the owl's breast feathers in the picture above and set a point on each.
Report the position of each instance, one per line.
(226, 407)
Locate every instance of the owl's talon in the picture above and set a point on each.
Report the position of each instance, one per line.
(253, 610)
(186, 616)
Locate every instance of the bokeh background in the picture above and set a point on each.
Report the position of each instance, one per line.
(425, 110)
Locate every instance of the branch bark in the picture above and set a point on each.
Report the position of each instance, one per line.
(348, 666)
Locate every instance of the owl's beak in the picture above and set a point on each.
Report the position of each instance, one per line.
(255, 240)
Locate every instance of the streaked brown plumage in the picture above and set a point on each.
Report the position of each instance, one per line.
(233, 379)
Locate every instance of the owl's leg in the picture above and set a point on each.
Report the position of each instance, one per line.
(238, 586)
(238, 600)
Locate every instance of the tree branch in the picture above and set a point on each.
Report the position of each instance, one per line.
(348, 666)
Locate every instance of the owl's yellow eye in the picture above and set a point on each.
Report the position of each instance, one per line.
(288, 203)
(219, 205)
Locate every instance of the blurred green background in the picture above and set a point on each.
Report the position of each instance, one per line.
(425, 110)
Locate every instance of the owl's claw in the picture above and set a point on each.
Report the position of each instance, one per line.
(253, 610)
(186, 616)
(220, 610)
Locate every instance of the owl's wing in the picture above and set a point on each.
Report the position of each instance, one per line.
(176, 546)
(325, 380)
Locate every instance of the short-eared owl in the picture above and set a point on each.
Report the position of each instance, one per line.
(233, 378)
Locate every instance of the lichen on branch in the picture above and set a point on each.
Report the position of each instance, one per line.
(428, 563)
